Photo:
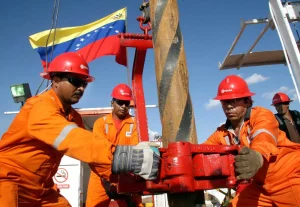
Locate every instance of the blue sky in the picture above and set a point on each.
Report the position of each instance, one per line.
(208, 28)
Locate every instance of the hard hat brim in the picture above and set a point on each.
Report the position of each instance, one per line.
(47, 76)
(233, 96)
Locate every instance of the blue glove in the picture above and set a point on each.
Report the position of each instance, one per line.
(141, 159)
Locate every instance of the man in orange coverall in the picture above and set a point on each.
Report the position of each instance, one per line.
(119, 128)
(267, 157)
(46, 128)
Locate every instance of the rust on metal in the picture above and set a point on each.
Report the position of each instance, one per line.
(175, 105)
(176, 110)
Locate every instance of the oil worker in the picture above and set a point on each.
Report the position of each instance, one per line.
(267, 158)
(47, 128)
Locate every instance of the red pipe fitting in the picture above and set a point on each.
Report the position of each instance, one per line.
(187, 167)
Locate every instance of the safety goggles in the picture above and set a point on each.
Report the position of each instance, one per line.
(280, 104)
(77, 82)
(122, 102)
(232, 102)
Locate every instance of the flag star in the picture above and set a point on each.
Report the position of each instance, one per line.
(82, 39)
(117, 31)
(111, 27)
(77, 45)
(96, 30)
(77, 49)
(103, 27)
(88, 35)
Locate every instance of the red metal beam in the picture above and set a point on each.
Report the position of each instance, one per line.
(141, 42)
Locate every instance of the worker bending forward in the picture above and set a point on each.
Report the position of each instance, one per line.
(267, 156)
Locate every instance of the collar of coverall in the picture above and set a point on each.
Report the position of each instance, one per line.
(56, 99)
(246, 117)
(127, 119)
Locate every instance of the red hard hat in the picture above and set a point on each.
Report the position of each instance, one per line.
(233, 87)
(280, 98)
(122, 92)
(69, 62)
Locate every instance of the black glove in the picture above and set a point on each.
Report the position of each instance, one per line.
(111, 192)
(141, 159)
(247, 163)
(110, 189)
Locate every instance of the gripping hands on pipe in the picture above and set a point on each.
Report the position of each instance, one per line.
(142, 159)
(247, 163)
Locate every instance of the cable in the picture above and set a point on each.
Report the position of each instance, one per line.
(145, 12)
(54, 35)
(296, 31)
(53, 25)
(45, 88)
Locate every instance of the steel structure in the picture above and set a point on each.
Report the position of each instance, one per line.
(281, 15)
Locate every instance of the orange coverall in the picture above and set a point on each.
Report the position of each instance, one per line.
(126, 135)
(277, 183)
(32, 148)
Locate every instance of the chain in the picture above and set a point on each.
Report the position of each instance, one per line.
(145, 12)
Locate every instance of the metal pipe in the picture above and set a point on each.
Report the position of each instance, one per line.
(138, 94)
(243, 26)
(175, 106)
(87, 109)
(256, 21)
(288, 42)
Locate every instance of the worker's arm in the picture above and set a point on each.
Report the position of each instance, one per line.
(253, 161)
(215, 138)
(264, 132)
(47, 124)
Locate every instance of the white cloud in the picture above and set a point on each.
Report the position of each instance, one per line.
(256, 78)
(290, 92)
(211, 104)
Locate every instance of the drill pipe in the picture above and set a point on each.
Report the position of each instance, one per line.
(175, 105)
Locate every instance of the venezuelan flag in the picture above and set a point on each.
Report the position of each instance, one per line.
(92, 40)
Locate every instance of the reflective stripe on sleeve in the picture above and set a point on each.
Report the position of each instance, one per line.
(227, 140)
(63, 134)
(263, 131)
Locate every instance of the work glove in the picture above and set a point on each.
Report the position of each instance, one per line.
(247, 163)
(141, 159)
(111, 192)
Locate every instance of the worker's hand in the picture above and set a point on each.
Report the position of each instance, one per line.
(111, 192)
(247, 163)
(142, 160)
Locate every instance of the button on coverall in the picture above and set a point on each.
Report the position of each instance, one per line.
(277, 183)
(126, 135)
(32, 148)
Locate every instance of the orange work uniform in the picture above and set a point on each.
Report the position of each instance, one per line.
(277, 183)
(123, 133)
(32, 148)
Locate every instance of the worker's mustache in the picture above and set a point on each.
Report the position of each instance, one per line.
(79, 93)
